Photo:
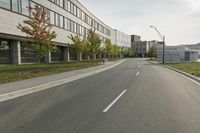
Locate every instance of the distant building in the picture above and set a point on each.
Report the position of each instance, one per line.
(135, 38)
(122, 39)
(177, 54)
(193, 46)
(141, 48)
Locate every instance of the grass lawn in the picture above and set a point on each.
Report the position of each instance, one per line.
(13, 73)
(192, 68)
(114, 59)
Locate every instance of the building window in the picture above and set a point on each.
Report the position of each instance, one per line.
(72, 8)
(75, 10)
(58, 54)
(78, 12)
(86, 19)
(25, 5)
(65, 4)
(57, 2)
(5, 4)
(72, 26)
(69, 24)
(75, 26)
(66, 24)
(15, 5)
(4, 52)
(61, 21)
(61, 3)
(77, 29)
(69, 6)
(57, 22)
(52, 18)
(83, 16)
(28, 54)
(80, 30)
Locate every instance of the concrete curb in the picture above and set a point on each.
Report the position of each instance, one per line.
(184, 73)
(15, 94)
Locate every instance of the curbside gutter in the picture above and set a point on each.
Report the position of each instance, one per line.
(15, 94)
(184, 73)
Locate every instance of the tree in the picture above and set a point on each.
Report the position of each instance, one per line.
(130, 52)
(123, 51)
(78, 45)
(153, 52)
(93, 43)
(115, 50)
(39, 31)
(108, 47)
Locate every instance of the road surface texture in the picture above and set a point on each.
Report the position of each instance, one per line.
(134, 97)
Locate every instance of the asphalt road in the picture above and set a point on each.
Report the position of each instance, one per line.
(134, 97)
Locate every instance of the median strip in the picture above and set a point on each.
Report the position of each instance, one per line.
(111, 104)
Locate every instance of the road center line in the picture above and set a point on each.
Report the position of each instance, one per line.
(137, 74)
(109, 106)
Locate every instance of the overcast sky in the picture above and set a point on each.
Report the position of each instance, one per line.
(178, 20)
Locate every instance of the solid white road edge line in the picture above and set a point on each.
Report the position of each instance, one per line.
(109, 106)
(137, 74)
(15, 94)
(189, 79)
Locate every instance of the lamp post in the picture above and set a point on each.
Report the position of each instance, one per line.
(163, 39)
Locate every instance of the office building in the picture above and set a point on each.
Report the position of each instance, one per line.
(122, 39)
(135, 38)
(141, 48)
(68, 17)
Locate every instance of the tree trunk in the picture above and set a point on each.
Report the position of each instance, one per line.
(39, 64)
(88, 57)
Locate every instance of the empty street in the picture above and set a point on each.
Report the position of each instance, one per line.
(133, 97)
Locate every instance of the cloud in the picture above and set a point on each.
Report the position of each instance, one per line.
(177, 19)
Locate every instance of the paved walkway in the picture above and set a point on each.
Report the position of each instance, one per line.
(21, 85)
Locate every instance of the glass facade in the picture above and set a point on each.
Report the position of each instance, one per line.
(5, 56)
(56, 19)
(25, 5)
(28, 54)
(73, 9)
(19, 6)
(16, 5)
(5, 4)
(58, 55)
(52, 17)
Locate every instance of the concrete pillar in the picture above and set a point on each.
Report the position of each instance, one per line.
(94, 57)
(100, 56)
(66, 55)
(16, 52)
(48, 58)
(79, 57)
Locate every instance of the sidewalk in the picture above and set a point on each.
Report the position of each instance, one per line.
(46, 82)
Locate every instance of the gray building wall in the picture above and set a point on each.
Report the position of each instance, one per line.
(177, 54)
(10, 19)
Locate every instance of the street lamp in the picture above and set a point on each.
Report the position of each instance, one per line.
(163, 39)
